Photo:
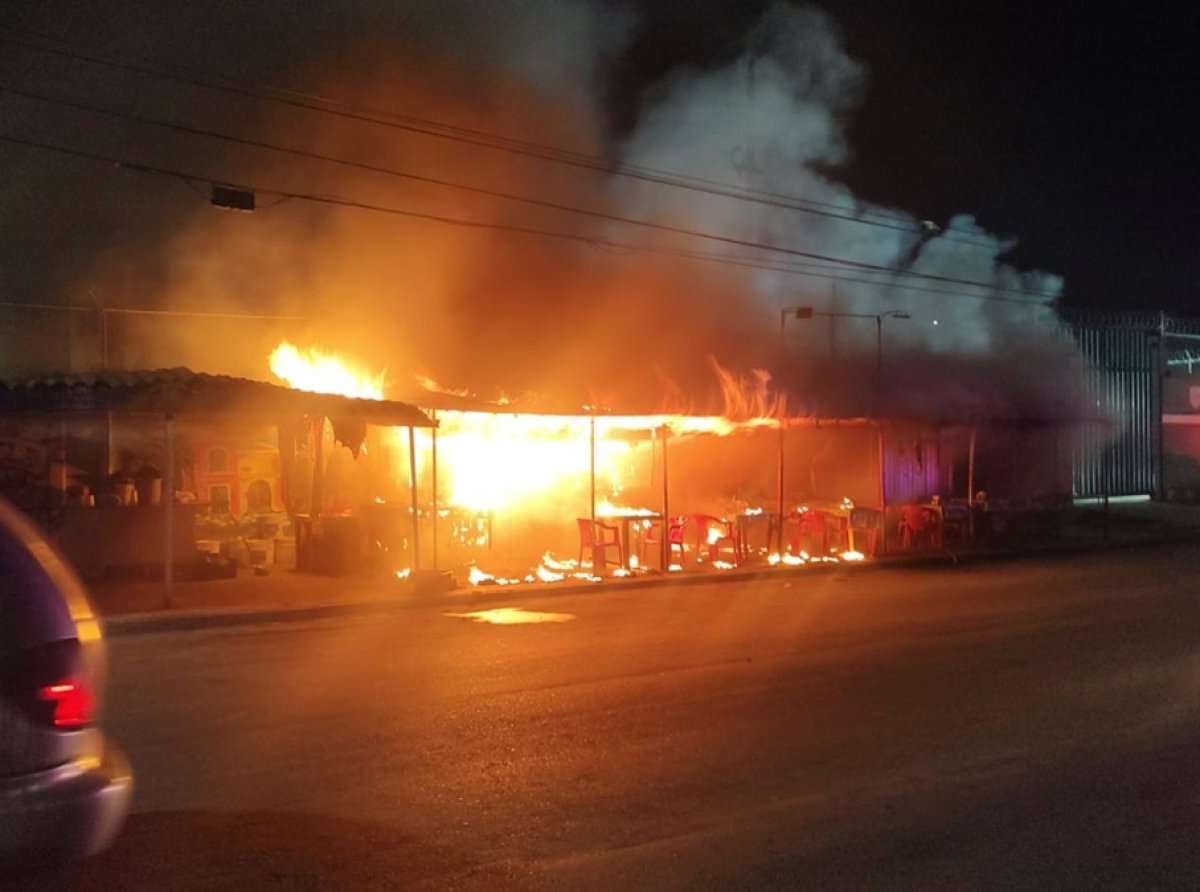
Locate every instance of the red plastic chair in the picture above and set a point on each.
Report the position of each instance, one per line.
(866, 526)
(597, 538)
(806, 531)
(920, 527)
(837, 532)
(676, 526)
(715, 533)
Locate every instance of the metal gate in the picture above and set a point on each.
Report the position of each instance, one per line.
(1121, 381)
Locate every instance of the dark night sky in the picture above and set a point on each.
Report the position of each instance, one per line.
(1073, 127)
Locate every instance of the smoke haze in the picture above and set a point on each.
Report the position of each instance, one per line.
(456, 287)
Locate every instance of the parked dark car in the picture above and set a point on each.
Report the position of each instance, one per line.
(64, 789)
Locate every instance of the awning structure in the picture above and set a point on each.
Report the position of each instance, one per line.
(168, 394)
(180, 391)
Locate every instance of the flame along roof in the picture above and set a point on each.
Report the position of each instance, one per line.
(963, 408)
(181, 391)
(859, 416)
(631, 418)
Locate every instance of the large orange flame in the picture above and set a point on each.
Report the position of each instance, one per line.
(513, 462)
(321, 372)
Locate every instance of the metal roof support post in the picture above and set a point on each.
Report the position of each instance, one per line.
(779, 476)
(664, 543)
(318, 489)
(883, 494)
(168, 502)
(412, 488)
(971, 484)
(433, 431)
(592, 472)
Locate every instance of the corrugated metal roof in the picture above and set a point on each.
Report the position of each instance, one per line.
(181, 391)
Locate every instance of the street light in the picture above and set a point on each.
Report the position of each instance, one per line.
(809, 312)
(806, 312)
(890, 314)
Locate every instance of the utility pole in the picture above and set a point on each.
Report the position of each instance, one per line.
(109, 466)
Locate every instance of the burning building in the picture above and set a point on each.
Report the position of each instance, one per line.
(509, 484)
(578, 286)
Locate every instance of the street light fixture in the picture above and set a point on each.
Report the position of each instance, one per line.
(809, 312)
(890, 314)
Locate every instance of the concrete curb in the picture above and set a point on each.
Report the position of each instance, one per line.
(472, 598)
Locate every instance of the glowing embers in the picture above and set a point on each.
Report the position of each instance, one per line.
(513, 616)
(804, 558)
(552, 570)
(471, 529)
(475, 576)
(549, 571)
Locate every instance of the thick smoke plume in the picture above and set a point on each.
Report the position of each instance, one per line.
(457, 287)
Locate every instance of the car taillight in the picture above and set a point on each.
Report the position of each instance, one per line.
(49, 684)
(72, 704)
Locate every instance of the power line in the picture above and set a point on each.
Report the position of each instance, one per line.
(493, 193)
(817, 271)
(510, 145)
(133, 311)
(525, 230)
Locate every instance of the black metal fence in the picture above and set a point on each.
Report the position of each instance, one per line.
(1121, 381)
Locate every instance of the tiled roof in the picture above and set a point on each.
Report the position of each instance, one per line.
(181, 391)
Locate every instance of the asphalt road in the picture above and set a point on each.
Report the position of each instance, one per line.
(1024, 725)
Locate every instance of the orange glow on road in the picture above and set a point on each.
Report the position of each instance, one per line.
(513, 616)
